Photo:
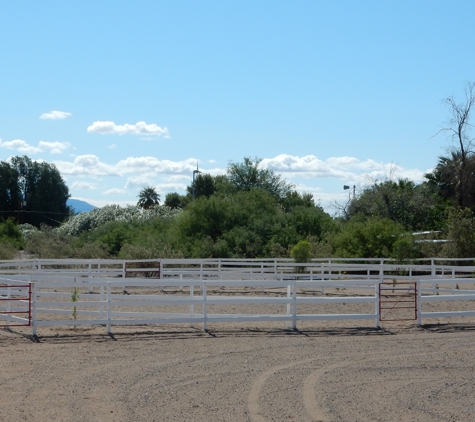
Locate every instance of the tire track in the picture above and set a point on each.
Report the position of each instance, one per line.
(309, 385)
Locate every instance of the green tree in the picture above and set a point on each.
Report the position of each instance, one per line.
(249, 175)
(445, 179)
(416, 207)
(9, 190)
(203, 186)
(39, 191)
(460, 233)
(175, 200)
(237, 225)
(294, 199)
(148, 197)
(367, 238)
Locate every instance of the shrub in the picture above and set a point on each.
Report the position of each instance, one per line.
(94, 250)
(302, 251)
(8, 251)
(48, 243)
(156, 251)
(404, 249)
(10, 233)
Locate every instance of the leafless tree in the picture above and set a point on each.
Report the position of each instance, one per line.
(459, 128)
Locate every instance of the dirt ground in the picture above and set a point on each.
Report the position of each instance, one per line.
(322, 372)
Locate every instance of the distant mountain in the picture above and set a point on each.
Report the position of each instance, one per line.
(79, 206)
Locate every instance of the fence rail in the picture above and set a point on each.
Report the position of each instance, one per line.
(96, 292)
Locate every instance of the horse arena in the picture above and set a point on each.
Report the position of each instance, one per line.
(237, 340)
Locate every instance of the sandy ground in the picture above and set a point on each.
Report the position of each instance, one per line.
(322, 372)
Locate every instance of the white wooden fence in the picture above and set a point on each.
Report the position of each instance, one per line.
(80, 292)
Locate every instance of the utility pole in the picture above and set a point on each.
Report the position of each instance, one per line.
(346, 187)
(195, 172)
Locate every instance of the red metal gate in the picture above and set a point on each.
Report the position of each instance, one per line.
(15, 304)
(398, 301)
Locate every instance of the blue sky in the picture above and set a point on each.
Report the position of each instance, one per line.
(122, 95)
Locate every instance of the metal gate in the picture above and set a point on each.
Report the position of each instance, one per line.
(15, 304)
(398, 301)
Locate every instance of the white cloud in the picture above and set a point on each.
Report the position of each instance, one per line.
(83, 185)
(146, 166)
(86, 165)
(54, 147)
(114, 191)
(55, 115)
(121, 181)
(113, 146)
(154, 165)
(137, 182)
(170, 187)
(20, 146)
(348, 169)
(140, 128)
(179, 178)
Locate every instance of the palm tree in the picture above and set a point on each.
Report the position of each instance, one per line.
(148, 197)
(454, 178)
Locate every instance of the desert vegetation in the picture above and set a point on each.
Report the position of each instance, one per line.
(251, 212)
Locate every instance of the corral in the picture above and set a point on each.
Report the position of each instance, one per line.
(330, 340)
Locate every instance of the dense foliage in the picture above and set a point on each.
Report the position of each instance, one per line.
(32, 192)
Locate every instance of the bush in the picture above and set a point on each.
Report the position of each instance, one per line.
(461, 234)
(302, 251)
(10, 233)
(276, 250)
(367, 238)
(155, 251)
(48, 243)
(8, 251)
(404, 249)
(98, 217)
(94, 250)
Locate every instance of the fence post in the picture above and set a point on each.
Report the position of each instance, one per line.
(89, 271)
(289, 295)
(101, 300)
(381, 280)
(376, 304)
(262, 276)
(294, 306)
(124, 273)
(205, 311)
(108, 307)
(192, 307)
(419, 304)
(201, 275)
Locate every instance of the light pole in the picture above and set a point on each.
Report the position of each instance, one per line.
(195, 172)
(346, 187)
